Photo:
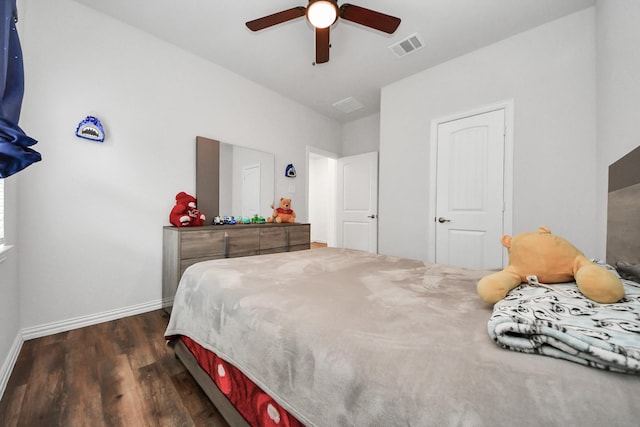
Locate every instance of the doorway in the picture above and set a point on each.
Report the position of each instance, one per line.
(470, 187)
(322, 196)
(343, 199)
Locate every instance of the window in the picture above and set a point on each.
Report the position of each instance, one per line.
(1, 212)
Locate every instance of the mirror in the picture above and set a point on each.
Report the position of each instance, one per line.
(233, 180)
(246, 181)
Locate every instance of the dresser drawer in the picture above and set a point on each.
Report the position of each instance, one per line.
(273, 238)
(300, 235)
(202, 243)
(243, 241)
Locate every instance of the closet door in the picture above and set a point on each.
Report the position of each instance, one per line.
(470, 191)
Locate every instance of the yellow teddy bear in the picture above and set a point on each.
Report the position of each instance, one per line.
(551, 259)
(283, 213)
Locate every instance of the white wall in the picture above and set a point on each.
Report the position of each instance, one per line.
(618, 68)
(549, 72)
(91, 214)
(361, 136)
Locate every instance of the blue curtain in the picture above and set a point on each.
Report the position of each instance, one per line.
(15, 153)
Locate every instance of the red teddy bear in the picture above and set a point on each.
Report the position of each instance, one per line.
(184, 213)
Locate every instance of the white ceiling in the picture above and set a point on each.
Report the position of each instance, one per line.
(281, 57)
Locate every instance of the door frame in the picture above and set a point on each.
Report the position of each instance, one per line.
(507, 218)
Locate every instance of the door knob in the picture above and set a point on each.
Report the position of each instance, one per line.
(442, 220)
(372, 216)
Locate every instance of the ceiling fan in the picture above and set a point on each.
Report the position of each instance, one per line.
(322, 14)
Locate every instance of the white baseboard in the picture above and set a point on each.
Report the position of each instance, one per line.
(9, 363)
(92, 319)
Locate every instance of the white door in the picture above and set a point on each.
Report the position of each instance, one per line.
(357, 204)
(250, 191)
(470, 191)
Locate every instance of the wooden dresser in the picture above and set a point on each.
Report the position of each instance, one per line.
(182, 247)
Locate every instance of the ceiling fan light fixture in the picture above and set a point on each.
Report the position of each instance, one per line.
(322, 13)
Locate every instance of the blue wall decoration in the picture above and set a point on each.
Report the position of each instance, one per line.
(90, 128)
(290, 171)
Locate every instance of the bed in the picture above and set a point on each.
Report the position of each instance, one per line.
(337, 337)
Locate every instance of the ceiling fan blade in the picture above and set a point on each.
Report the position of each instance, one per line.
(369, 18)
(276, 18)
(322, 45)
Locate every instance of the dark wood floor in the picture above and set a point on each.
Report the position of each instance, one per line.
(118, 373)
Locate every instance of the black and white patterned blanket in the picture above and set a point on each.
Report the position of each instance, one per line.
(557, 320)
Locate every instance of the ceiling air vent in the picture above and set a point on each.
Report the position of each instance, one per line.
(407, 46)
(348, 105)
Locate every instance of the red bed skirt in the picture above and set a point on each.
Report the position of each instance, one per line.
(256, 406)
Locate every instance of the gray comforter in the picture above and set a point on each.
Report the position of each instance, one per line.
(347, 338)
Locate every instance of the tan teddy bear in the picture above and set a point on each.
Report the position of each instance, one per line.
(551, 259)
(283, 213)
